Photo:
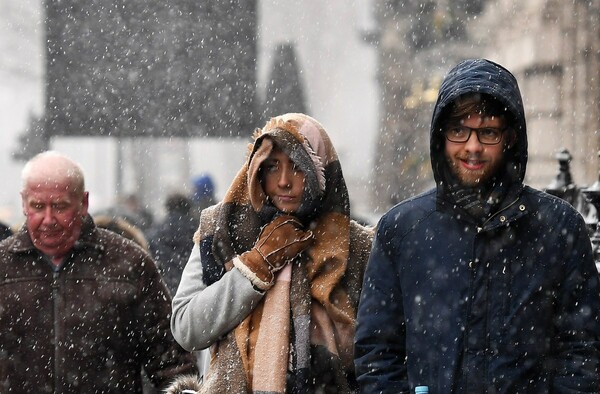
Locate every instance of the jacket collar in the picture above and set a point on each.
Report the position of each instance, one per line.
(513, 207)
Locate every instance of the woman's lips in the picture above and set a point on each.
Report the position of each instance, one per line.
(286, 198)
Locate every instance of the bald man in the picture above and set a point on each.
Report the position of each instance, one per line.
(83, 309)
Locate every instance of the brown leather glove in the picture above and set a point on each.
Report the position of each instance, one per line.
(278, 242)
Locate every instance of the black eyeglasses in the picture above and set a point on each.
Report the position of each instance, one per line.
(485, 135)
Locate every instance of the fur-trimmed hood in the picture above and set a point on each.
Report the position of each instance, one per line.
(185, 384)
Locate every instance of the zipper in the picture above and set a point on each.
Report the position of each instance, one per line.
(480, 228)
(56, 307)
(473, 261)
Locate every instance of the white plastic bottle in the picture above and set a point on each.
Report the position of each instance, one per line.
(422, 390)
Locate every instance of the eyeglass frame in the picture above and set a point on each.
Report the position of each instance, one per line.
(476, 130)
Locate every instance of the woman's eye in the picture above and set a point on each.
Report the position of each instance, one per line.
(271, 167)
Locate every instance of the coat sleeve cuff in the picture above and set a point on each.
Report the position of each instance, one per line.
(258, 284)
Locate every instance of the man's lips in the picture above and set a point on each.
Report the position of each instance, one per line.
(472, 164)
(50, 233)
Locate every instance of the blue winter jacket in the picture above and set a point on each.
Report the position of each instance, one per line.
(505, 306)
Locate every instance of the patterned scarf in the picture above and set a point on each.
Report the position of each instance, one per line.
(483, 201)
(300, 336)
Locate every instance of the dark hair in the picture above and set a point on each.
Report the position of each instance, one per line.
(177, 202)
(483, 104)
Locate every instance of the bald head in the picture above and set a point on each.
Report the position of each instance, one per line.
(51, 167)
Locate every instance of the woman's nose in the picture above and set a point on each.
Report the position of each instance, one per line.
(285, 179)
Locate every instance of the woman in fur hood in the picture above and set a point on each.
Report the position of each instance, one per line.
(274, 277)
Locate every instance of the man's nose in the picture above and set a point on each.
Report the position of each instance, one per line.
(473, 144)
(48, 215)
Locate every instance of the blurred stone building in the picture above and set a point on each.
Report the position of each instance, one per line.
(552, 47)
(330, 67)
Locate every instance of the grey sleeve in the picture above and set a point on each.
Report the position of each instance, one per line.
(203, 314)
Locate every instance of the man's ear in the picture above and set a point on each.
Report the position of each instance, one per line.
(24, 202)
(85, 202)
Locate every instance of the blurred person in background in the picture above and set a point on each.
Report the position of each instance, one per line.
(83, 309)
(122, 227)
(5, 231)
(203, 193)
(274, 277)
(171, 240)
(130, 209)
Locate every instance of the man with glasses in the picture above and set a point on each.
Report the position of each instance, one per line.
(482, 285)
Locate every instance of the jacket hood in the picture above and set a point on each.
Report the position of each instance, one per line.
(485, 77)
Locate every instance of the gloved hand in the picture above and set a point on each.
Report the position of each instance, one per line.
(278, 242)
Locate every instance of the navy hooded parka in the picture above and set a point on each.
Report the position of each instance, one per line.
(507, 305)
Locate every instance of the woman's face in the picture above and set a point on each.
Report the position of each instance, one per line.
(282, 181)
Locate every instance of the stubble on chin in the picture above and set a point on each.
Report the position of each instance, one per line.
(469, 178)
(465, 177)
